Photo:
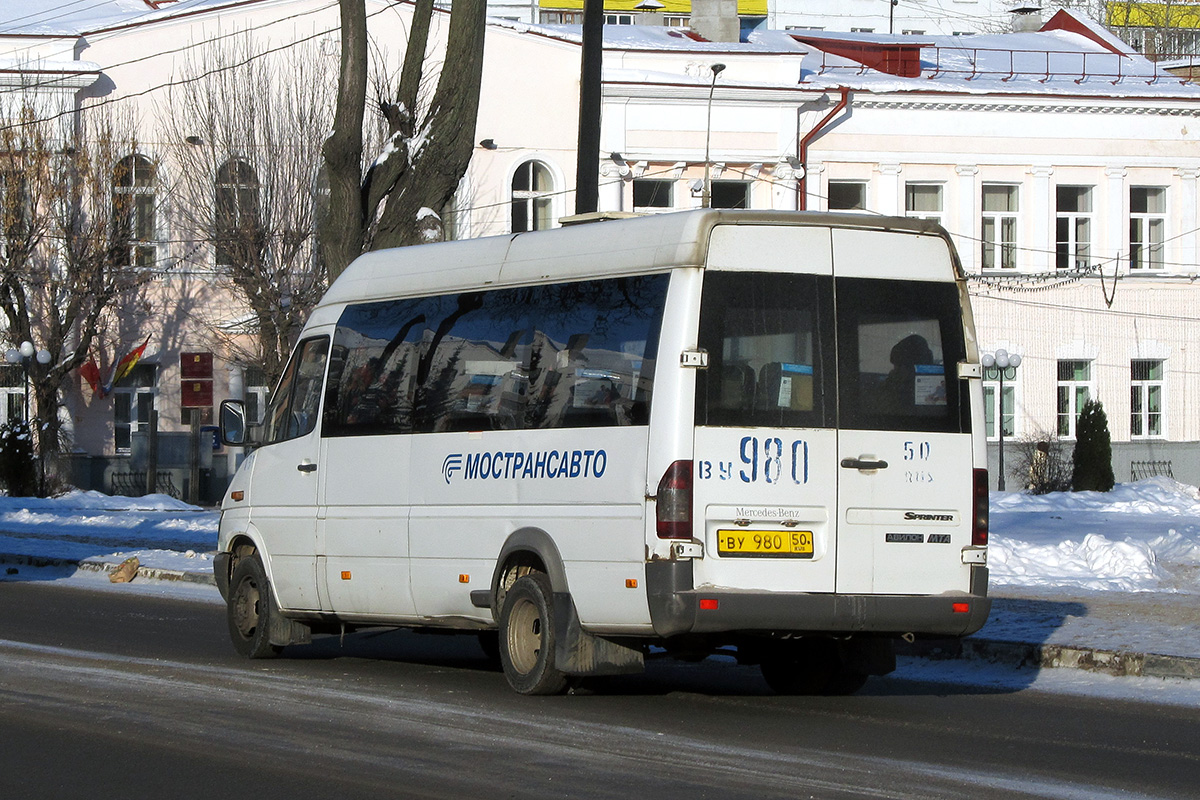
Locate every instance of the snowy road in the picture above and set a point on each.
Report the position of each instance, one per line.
(402, 715)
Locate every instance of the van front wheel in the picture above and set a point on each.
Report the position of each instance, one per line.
(250, 610)
(527, 637)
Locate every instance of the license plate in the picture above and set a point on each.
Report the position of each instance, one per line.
(777, 544)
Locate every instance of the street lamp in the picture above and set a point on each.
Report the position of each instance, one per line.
(892, 16)
(24, 355)
(706, 196)
(1000, 366)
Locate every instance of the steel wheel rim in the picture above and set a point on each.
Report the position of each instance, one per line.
(245, 608)
(524, 636)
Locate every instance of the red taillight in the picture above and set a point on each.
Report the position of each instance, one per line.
(960, 608)
(674, 506)
(709, 604)
(979, 516)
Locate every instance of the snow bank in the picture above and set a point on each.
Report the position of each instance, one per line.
(1140, 537)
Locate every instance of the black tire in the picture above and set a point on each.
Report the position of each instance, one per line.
(804, 667)
(527, 637)
(251, 609)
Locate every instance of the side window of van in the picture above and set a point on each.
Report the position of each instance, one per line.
(770, 350)
(293, 409)
(899, 345)
(562, 355)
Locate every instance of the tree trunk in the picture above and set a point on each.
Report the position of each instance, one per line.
(342, 224)
(437, 168)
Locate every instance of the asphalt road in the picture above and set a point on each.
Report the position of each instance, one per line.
(109, 695)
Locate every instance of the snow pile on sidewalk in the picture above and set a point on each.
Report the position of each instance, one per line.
(1142, 536)
(162, 532)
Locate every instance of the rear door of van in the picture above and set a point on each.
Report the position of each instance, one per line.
(832, 450)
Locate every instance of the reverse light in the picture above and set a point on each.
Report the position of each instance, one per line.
(979, 509)
(673, 511)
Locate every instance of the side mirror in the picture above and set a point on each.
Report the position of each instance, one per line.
(233, 423)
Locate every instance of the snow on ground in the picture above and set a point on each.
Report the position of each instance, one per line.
(162, 532)
(1140, 537)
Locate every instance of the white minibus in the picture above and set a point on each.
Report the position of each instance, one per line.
(753, 432)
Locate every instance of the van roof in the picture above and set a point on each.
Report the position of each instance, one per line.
(646, 244)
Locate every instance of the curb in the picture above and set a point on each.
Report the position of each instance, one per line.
(90, 565)
(1118, 663)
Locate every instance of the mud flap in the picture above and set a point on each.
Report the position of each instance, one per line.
(286, 631)
(577, 652)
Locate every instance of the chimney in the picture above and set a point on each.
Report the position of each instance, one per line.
(1027, 18)
(716, 20)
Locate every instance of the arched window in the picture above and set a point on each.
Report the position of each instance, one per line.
(532, 190)
(134, 216)
(238, 223)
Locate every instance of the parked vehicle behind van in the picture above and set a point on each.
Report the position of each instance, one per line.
(753, 430)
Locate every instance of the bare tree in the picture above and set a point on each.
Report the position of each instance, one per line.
(245, 130)
(429, 143)
(67, 258)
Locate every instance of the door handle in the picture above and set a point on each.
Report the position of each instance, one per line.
(864, 464)
(307, 467)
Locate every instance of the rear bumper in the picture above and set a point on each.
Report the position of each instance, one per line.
(675, 609)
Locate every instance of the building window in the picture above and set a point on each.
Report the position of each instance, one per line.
(1146, 398)
(913, 32)
(618, 19)
(1073, 244)
(134, 215)
(532, 187)
(562, 17)
(649, 193)
(862, 30)
(1147, 226)
(133, 402)
(12, 394)
(238, 224)
(847, 196)
(1074, 389)
(1006, 409)
(677, 22)
(730, 194)
(999, 227)
(923, 201)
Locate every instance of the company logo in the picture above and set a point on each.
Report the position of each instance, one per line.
(534, 465)
(451, 465)
(916, 515)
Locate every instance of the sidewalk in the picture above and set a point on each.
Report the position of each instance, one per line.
(1148, 634)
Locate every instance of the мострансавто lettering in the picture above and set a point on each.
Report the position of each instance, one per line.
(535, 465)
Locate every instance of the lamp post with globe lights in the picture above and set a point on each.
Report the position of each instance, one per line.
(1000, 366)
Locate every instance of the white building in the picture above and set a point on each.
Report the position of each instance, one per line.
(1064, 164)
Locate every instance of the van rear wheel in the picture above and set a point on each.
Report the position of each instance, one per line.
(251, 609)
(804, 666)
(527, 637)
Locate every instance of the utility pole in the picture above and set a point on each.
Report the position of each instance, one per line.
(587, 160)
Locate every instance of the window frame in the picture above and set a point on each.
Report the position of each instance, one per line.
(135, 209)
(537, 205)
(1007, 409)
(911, 190)
(999, 253)
(1142, 223)
(1140, 390)
(1070, 250)
(1068, 389)
(846, 184)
